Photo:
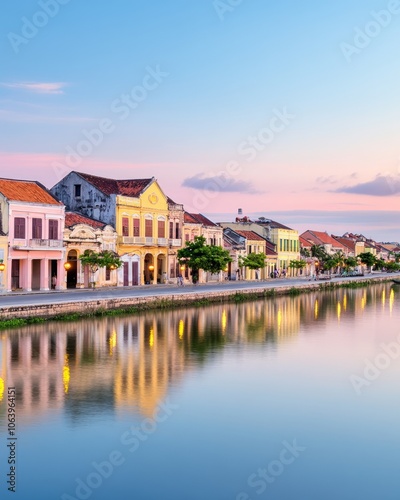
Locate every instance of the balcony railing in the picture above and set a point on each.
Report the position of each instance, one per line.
(132, 240)
(175, 242)
(39, 243)
(162, 241)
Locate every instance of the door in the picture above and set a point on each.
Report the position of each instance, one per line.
(126, 273)
(135, 273)
(15, 274)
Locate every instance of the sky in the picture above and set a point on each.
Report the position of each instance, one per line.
(288, 109)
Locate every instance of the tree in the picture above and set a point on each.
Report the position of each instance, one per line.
(350, 262)
(367, 258)
(319, 252)
(95, 260)
(197, 255)
(253, 261)
(297, 264)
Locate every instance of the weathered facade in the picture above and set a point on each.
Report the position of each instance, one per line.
(80, 234)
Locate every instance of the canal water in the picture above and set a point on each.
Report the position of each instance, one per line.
(287, 398)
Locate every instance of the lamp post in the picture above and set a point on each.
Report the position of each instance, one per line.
(67, 266)
(151, 269)
(2, 266)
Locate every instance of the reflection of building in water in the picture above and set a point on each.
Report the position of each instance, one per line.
(96, 366)
(33, 364)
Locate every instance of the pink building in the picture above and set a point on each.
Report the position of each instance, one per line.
(34, 222)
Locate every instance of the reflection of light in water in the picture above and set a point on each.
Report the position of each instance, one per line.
(279, 318)
(151, 339)
(339, 310)
(383, 298)
(364, 300)
(223, 321)
(112, 342)
(66, 374)
(1, 389)
(181, 328)
(316, 309)
(391, 300)
(345, 302)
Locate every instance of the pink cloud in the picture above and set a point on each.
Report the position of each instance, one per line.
(37, 87)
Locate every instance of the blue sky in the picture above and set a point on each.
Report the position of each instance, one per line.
(227, 73)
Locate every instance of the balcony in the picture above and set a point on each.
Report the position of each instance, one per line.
(40, 244)
(132, 240)
(37, 244)
(175, 242)
(162, 242)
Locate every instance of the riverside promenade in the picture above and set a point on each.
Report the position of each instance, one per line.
(83, 301)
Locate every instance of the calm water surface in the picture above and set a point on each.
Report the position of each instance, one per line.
(288, 398)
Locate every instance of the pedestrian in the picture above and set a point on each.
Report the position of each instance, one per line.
(53, 282)
(180, 280)
(237, 274)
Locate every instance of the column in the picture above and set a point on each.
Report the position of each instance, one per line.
(28, 274)
(61, 276)
(44, 274)
(155, 263)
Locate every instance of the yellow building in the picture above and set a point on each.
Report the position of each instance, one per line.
(3, 261)
(142, 224)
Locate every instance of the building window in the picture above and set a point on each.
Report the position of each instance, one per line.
(161, 229)
(136, 227)
(19, 227)
(186, 237)
(171, 230)
(149, 228)
(125, 226)
(108, 274)
(37, 229)
(77, 190)
(177, 231)
(280, 244)
(53, 229)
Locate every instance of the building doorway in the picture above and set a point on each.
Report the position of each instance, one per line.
(72, 272)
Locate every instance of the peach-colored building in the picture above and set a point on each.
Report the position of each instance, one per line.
(33, 220)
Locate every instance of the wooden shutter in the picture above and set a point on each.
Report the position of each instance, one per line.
(19, 227)
(149, 228)
(136, 227)
(125, 226)
(161, 229)
(53, 229)
(37, 228)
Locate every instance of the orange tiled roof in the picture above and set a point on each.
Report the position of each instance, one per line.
(198, 219)
(249, 235)
(125, 187)
(347, 242)
(321, 238)
(305, 243)
(28, 191)
(73, 218)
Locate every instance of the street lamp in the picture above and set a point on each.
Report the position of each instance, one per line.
(2, 266)
(151, 268)
(67, 266)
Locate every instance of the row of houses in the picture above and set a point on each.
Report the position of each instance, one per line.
(44, 232)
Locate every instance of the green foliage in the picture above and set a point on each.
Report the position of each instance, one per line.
(319, 252)
(350, 262)
(94, 260)
(297, 264)
(197, 255)
(253, 261)
(367, 258)
(392, 266)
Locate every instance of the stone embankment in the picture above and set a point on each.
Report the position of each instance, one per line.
(99, 306)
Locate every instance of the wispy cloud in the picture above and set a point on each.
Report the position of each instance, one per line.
(37, 87)
(382, 185)
(221, 183)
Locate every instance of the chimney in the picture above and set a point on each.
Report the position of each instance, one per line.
(240, 211)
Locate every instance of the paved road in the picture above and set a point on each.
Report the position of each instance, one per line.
(59, 297)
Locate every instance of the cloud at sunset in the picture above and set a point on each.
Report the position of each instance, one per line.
(37, 87)
(382, 185)
(222, 183)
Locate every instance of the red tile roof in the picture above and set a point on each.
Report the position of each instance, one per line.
(250, 235)
(125, 187)
(321, 238)
(73, 218)
(347, 242)
(305, 243)
(270, 249)
(198, 219)
(28, 191)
